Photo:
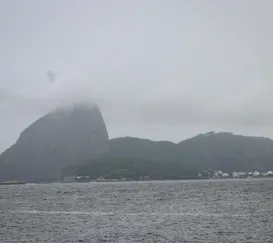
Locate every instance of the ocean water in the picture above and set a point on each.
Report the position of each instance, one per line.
(167, 211)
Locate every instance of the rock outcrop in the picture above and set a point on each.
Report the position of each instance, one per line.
(61, 139)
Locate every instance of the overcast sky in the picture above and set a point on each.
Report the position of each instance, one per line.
(159, 69)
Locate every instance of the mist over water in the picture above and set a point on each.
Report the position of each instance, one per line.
(167, 211)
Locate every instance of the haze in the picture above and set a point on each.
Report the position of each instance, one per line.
(164, 70)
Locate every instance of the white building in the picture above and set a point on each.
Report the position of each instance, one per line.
(256, 173)
(238, 174)
(218, 174)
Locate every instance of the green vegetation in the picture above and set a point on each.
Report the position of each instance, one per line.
(135, 168)
(223, 151)
(134, 157)
(229, 152)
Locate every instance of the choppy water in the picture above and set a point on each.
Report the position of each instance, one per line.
(181, 211)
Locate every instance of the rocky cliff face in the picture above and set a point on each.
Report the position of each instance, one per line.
(59, 140)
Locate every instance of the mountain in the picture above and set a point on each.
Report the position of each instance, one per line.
(61, 139)
(223, 151)
(229, 152)
(75, 140)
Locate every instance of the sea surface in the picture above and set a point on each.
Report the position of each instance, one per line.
(167, 211)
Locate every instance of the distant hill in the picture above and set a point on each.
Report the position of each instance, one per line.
(135, 157)
(60, 139)
(223, 151)
(229, 152)
(145, 148)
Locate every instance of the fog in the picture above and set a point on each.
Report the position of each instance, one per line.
(158, 69)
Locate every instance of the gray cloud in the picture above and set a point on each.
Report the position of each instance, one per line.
(158, 69)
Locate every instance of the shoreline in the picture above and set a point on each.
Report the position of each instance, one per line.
(138, 181)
